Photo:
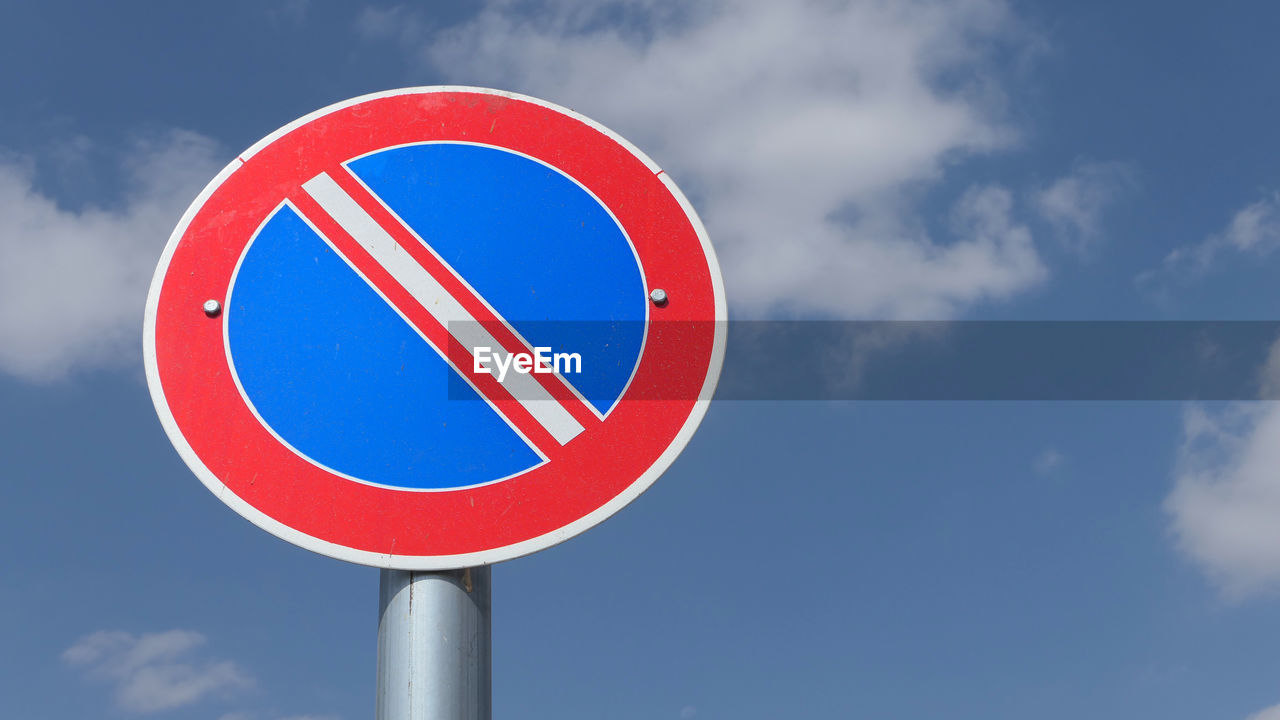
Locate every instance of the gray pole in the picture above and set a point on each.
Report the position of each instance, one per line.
(433, 645)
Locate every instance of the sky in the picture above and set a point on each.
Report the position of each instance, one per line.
(917, 160)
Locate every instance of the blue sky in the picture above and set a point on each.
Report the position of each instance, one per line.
(969, 159)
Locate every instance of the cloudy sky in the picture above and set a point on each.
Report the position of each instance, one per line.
(944, 159)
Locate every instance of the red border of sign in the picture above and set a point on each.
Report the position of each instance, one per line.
(595, 475)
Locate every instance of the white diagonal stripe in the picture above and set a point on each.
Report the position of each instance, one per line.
(436, 300)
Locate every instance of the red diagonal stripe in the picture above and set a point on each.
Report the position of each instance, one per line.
(455, 286)
(435, 332)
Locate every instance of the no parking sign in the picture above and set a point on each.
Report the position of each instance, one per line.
(434, 328)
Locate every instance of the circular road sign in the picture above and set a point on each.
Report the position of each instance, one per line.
(434, 328)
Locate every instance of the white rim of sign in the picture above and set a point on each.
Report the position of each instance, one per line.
(431, 562)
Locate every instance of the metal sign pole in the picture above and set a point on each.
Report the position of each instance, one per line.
(434, 645)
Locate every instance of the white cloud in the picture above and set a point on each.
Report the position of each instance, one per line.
(1075, 203)
(1225, 503)
(1271, 713)
(1253, 230)
(1047, 461)
(1256, 227)
(73, 282)
(807, 132)
(154, 672)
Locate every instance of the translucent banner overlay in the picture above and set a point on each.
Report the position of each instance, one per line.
(910, 360)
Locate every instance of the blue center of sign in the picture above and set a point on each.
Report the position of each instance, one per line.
(342, 378)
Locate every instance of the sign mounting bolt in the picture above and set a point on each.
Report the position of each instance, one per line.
(212, 308)
(658, 296)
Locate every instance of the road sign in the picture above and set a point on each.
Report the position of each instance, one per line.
(434, 328)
